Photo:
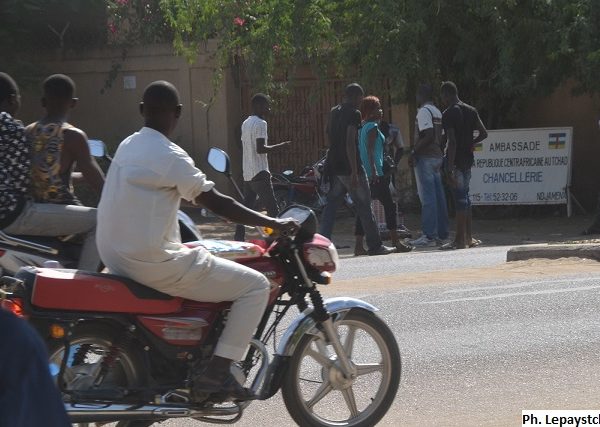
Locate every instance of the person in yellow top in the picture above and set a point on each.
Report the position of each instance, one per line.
(56, 147)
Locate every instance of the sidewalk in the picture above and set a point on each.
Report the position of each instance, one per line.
(493, 232)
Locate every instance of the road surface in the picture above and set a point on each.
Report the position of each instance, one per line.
(480, 340)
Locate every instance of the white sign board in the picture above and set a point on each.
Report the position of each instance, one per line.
(522, 167)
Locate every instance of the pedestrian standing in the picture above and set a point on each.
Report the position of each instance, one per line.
(460, 121)
(255, 164)
(371, 142)
(427, 160)
(345, 171)
(393, 153)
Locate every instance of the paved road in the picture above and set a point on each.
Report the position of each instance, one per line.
(478, 352)
(421, 260)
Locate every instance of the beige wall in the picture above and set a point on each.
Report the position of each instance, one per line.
(113, 115)
(582, 113)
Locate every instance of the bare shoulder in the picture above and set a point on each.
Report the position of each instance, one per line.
(73, 135)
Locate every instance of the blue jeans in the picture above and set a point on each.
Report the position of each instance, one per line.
(361, 195)
(434, 212)
(461, 191)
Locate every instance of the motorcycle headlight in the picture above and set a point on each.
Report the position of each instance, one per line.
(321, 254)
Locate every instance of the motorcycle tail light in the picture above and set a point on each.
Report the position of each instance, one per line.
(2, 252)
(321, 254)
(14, 305)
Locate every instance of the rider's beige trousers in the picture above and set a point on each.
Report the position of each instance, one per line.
(223, 280)
(48, 219)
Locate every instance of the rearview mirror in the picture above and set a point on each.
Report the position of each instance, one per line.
(218, 160)
(97, 148)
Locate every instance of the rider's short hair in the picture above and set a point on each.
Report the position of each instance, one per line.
(59, 86)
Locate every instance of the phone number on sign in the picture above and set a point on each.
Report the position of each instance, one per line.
(495, 197)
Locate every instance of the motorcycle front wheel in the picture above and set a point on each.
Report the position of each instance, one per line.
(317, 394)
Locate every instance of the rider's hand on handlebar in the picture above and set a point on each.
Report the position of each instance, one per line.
(285, 227)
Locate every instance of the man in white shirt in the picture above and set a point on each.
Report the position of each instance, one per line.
(255, 165)
(427, 159)
(138, 235)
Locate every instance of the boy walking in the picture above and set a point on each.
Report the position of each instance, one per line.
(255, 164)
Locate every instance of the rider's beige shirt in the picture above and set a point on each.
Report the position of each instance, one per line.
(138, 234)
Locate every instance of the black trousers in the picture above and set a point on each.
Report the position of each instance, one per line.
(261, 188)
(380, 190)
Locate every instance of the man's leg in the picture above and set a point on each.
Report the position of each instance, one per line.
(425, 175)
(266, 196)
(249, 201)
(469, 211)
(362, 199)
(441, 206)
(224, 280)
(462, 206)
(47, 219)
(337, 190)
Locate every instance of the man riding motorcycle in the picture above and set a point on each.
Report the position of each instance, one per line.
(51, 208)
(137, 235)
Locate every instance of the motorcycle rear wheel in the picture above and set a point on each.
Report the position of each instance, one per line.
(127, 372)
(314, 383)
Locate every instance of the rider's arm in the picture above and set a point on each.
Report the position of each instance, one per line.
(229, 208)
(79, 151)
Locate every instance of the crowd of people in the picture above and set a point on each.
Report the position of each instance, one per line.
(362, 158)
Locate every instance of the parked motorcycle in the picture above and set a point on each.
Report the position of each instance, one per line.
(308, 188)
(123, 352)
(19, 251)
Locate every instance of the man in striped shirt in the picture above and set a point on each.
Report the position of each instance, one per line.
(255, 165)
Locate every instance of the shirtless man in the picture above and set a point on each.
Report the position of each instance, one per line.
(56, 146)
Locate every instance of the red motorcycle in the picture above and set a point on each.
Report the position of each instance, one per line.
(123, 352)
(308, 188)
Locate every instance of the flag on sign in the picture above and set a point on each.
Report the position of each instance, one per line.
(557, 140)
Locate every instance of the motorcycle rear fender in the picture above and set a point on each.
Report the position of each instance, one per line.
(305, 324)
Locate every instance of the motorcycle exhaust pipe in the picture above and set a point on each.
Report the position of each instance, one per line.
(89, 413)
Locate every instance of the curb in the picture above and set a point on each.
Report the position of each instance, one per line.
(520, 253)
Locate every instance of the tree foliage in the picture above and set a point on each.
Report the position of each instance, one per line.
(500, 52)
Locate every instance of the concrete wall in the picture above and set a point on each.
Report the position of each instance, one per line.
(113, 115)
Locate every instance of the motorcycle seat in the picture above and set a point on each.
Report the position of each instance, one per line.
(65, 289)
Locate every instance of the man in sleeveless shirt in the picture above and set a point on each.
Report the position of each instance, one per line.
(56, 147)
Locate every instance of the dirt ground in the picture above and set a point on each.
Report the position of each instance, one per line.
(493, 232)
